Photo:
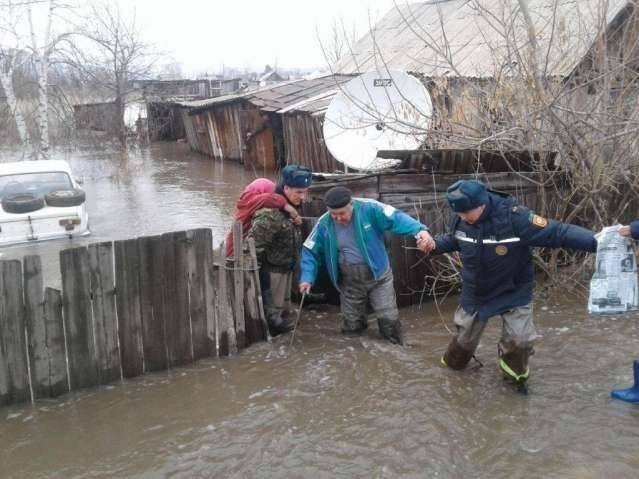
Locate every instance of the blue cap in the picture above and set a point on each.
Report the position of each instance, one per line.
(464, 195)
(296, 176)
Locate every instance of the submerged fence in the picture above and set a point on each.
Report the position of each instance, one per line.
(125, 308)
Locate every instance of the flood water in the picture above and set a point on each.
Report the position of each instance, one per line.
(151, 191)
(328, 406)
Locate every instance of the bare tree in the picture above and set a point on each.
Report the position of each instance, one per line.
(31, 52)
(530, 98)
(114, 56)
(10, 56)
(337, 43)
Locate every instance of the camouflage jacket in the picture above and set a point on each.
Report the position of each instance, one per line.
(278, 241)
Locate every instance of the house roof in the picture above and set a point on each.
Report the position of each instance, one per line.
(276, 97)
(271, 75)
(419, 37)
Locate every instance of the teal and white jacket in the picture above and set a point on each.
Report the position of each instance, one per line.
(370, 219)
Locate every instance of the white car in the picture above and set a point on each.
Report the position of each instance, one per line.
(40, 200)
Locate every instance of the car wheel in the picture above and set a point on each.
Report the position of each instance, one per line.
(22, 203)
(72, 197)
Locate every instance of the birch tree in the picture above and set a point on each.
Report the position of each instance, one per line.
(21, 27)
(9, 56)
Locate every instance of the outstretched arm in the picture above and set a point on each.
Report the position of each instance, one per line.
(535, 230)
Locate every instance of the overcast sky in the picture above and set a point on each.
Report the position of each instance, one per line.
(204, 35)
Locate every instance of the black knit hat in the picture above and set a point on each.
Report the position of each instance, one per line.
(337, 197)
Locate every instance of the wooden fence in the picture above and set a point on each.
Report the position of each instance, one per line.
(125, 308)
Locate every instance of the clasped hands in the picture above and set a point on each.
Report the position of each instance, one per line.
(425, 241)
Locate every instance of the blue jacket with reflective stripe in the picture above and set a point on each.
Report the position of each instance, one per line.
(370, 219)
(497, 265)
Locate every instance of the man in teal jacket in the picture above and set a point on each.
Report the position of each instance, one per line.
(349, 240)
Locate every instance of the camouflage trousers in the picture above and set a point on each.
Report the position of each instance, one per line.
(358, 289)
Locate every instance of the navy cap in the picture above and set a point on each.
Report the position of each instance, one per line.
(296, 176)
(465, 195)
(337, 197)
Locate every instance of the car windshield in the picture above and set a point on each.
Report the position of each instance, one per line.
(36, 184)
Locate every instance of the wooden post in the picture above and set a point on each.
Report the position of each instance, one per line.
(238, 285)
(177, 325)
(199, 262)
(221, 312)
(14, 378)
(43, 317)
(78, 317)
(104, 311)
(212, 292)
(152, 307)
(225, 322)
(266, 335)
(127, 268)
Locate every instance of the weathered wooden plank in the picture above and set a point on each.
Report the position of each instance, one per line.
(56, 346)
(211, 305)
(43, 319)
(225, 321)
(5, 384)
(263, 332)
(238, 284)
(200, 260)
(104, 311)
(221, 333)
(152, 309)
(176, 299)
(12, 334)
(78, 317)
(35, 324)
(252, 323)
(127, 268)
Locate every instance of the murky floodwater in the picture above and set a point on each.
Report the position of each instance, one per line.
(329, 406)
(163, 188)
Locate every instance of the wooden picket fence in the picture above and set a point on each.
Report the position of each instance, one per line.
(125, 308)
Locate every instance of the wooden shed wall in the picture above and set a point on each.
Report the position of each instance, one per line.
(221, 132)
(304, 142)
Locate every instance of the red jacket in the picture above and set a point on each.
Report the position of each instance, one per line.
(257, 195)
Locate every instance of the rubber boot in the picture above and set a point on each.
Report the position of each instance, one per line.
(354, 328)
(277, 324)
(514, 366)
(391, 331)
(455, 356)
(630, 394)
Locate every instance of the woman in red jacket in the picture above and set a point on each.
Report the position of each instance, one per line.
(256, 195)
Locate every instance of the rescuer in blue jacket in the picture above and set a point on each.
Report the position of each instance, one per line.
(494, 235)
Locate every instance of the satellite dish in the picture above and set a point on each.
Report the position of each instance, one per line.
(377, 112)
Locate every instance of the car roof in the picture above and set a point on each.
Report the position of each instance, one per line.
(37, 166)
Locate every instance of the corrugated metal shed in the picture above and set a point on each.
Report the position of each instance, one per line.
(427, 37)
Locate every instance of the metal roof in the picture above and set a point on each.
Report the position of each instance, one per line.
(419, 37)
(276, 97)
